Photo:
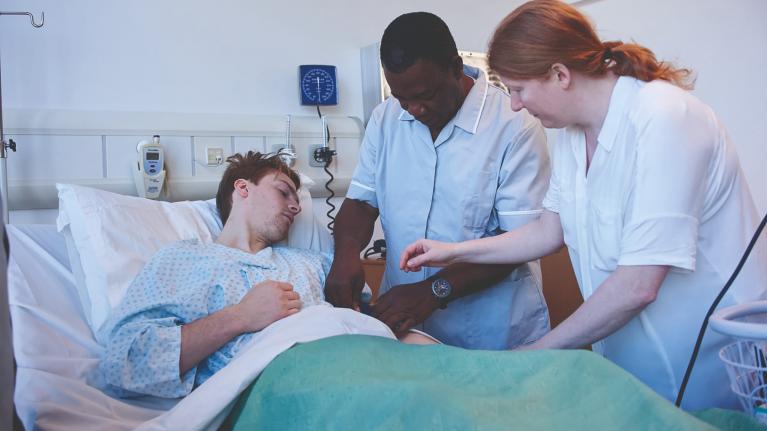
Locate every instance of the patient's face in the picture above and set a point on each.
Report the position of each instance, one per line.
(273, 205)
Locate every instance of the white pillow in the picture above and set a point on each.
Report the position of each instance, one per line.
(111, 236)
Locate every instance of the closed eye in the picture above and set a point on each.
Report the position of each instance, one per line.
(418, 97)
(426, 96)
(287, 191)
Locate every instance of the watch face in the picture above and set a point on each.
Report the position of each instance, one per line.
(441, 288)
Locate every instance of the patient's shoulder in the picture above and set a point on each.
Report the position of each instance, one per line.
(179, 249)
(183, 245)
(304, 255)
(300, 253)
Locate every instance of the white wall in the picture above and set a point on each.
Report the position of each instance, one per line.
(724, 42)
(193, 56)
(201, 56)
(239, 56)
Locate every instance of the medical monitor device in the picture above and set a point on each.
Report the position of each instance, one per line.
(150, 173)
(318, 85)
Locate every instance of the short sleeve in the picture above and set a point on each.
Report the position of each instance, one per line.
(523, 178)
(672, 158)
(363, 183)
(551, 200)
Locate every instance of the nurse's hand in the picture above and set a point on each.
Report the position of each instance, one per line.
(427, 252)
(345, 281)
(404, 306)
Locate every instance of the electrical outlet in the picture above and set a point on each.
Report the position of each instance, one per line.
(215, 156)
(313, 162)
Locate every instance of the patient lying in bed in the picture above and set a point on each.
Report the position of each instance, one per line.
(194, 306)
(190, 283)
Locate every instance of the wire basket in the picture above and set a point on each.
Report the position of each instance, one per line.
(746, 358)
(746, 365)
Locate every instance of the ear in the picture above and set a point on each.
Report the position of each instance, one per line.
(562, 75)
(241, 188)
(456, 67)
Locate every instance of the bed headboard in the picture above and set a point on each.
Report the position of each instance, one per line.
(98, 149)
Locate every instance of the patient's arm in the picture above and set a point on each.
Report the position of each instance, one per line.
(413, 337)
(264, 304)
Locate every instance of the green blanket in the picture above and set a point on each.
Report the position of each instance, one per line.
(359, 382)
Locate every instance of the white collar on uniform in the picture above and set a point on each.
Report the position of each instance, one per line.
(467, 117)
(624, 90)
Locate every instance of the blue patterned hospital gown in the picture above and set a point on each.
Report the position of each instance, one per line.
(184, 282)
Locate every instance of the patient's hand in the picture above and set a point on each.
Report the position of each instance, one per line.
(267, 302)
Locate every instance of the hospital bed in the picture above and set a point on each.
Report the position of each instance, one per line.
(102, 240)
(338, 381)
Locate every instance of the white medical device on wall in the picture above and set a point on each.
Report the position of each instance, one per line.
(150, 173)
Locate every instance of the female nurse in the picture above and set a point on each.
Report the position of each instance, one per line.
(646, 192)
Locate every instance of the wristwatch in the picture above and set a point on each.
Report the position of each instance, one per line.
(441, 289)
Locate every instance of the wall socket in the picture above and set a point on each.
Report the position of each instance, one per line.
(313, 162)
(310, 156)
(215, 156)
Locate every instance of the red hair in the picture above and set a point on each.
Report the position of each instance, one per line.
(542, 32)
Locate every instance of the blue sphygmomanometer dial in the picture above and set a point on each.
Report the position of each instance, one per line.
(318, 85)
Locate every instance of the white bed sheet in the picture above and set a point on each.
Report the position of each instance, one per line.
(58, 383)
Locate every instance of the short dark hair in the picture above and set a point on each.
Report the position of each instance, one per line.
(417, 36)
(252, 167)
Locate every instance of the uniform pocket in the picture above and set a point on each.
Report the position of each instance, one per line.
(479, 200)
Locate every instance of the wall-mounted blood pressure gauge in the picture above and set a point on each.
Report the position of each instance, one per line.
(318, 84)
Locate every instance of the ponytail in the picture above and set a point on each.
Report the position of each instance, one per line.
(634, 60)
(542, 32)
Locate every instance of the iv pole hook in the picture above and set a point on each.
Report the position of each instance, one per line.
(31, 17)
(10, 145)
